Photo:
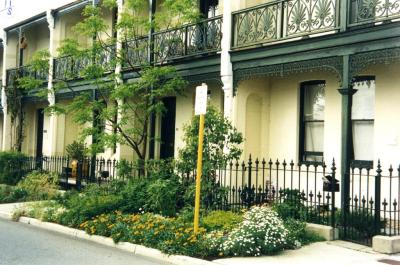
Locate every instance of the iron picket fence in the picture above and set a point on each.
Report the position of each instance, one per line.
(303, 191)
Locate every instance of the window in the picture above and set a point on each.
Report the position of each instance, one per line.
(362, 115)
(312, 112)
(209, 8)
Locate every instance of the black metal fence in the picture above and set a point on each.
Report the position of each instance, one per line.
(305, 191)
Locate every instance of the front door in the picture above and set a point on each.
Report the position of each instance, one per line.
(167, 146)
(39, 133)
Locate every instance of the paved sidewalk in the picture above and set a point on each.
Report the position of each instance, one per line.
(325, 253)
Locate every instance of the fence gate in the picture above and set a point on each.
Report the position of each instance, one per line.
(372, 205)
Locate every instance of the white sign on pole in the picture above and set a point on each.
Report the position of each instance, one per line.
(200, 106)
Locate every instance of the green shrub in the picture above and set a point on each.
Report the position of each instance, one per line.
(134, 196)
(298, 235)
(221, 220)
(165, 196)
(12, 165)
(10, 194)
(290, 204)
(92, 201)
(39, 185)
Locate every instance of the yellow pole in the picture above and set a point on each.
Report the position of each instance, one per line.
(199, 172)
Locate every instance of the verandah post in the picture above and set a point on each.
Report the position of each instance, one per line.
(347, 92)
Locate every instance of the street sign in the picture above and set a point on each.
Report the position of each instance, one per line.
(200, 106)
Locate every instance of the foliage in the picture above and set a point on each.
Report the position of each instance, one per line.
(47, 211)
(359, 223)
(12, 166)
(167, 234)
(94, 200)
(121, 112)
(39, 185)
(76, 150)
(134, 196)
(124, 169)
(221, 144)
(290, 204)
(298, 235)
(165, 196)
(10, 194)
(221, 220)
(261, 232)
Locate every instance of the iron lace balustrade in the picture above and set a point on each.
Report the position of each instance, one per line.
(71, 67)
(283, 19)
(23, 71)
(191, 39)
(135, 52)
(370, 11)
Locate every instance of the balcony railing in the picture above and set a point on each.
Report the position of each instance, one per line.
(71, 67)
(23, 71)
(135, 52)
(284, 19)
(192, 39)
(369, 11)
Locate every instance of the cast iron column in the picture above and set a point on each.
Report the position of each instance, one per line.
(347, 92)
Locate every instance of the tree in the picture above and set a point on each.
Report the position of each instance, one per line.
(121, 112)
(221, 145)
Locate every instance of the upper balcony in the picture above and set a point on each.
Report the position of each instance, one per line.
(24, 71)
(284, 20)
(197, 39)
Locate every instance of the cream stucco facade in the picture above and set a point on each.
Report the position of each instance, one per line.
(265, 109)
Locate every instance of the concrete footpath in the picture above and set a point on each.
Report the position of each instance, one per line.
(326, 253)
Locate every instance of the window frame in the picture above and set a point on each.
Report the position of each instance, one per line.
(358, 163)
(302, 127)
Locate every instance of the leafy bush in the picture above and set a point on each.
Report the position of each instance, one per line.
(298, 235)
(10, 194)
(261, 232)
(290, 204)
(134, 196)
(39, 185)
(11, 167)
(76, 150)
(93, 201)
(165, 196)
(221, 220)
(221, 144)
(124, 169)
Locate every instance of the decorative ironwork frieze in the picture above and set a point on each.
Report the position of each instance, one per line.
(209, 77)
(283, 19)
(367, 11)
(330, 64)
(361, 61)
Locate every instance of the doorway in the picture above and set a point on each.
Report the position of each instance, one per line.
(167, 145)
(39, 133)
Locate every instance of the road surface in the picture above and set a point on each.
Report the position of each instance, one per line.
(21, 244)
